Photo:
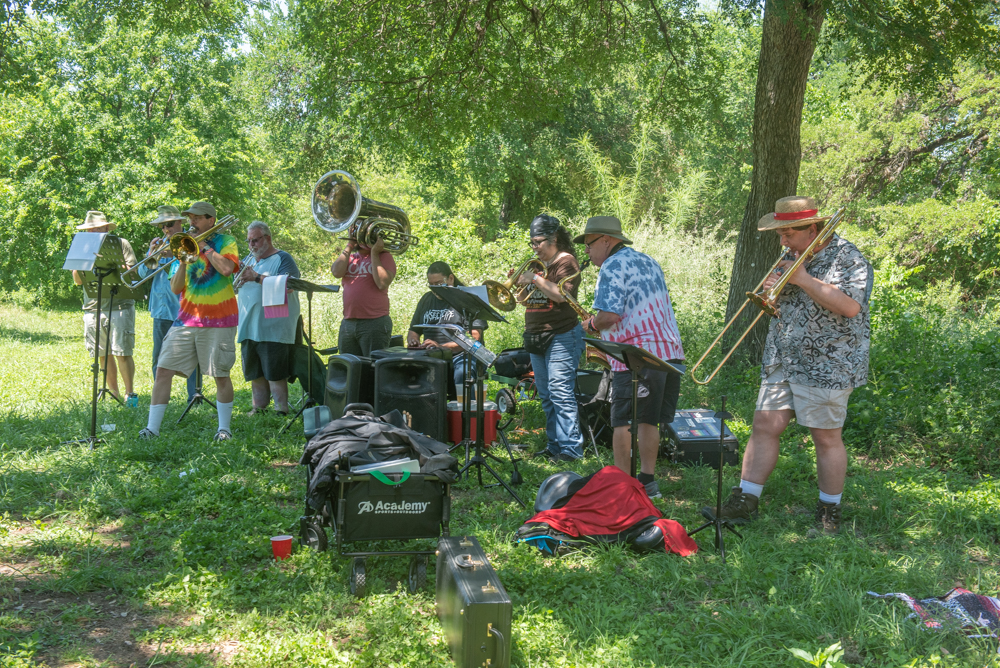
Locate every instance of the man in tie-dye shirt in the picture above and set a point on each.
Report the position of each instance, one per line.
(205, 329)
(633, 307)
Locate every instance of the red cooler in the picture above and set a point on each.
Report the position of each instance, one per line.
(490, 414)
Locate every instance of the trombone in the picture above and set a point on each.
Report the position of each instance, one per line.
(767, 300)
(182, 246)
(500, 294)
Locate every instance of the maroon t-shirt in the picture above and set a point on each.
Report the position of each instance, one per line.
(542, 314)
(362, 298)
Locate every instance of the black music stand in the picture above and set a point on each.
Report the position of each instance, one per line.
(716, 520)
(635, 359)
(99, 256)
(308, 398)
(470, 306)
(197, 398)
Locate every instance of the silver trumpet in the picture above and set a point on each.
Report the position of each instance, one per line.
(245, 264)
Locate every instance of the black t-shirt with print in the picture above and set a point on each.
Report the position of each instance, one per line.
(434, 311)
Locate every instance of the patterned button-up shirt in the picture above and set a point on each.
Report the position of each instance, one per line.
(813, 346)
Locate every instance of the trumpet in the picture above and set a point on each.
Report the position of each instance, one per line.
(580, 311)
(500, 294)
(767, 300)
(182, 246)
(337, 205)
(244, 265)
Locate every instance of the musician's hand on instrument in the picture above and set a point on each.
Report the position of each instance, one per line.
(379, 246)
(799, 275)
(526, 278)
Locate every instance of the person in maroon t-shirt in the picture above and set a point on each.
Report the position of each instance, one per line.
(365, 275)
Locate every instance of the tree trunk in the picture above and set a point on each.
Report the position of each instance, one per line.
(790, 31)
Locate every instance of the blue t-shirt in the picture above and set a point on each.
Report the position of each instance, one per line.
(163, 303)
(631, 284)
(253, 325)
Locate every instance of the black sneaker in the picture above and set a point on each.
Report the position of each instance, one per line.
(739, 508)
(653, 490)
(828, 518)
(147, 434)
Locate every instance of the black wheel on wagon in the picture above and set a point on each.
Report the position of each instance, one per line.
(417, 579)
(505, 401)
(312, 535)
(358, 577)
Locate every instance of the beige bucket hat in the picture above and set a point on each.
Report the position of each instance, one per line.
(791, 212)
(168, 214)
(96, 219)
(607, 225)
(200, 209)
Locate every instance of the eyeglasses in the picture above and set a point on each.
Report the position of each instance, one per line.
(535, 243)
(254, 240)
(588, 244)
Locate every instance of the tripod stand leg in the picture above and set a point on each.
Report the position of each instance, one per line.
(306, 403)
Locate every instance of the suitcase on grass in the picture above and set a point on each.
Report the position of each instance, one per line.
(693, 439)
(472, 605)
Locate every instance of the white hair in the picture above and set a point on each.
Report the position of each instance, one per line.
(260, 225)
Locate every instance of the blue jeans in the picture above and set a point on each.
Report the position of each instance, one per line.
(555, 380)
(160, 328)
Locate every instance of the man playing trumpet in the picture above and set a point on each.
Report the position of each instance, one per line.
(814, 356)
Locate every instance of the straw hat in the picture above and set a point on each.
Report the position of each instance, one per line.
(168, 214)
(606, 225)
(791, 212)
(96, 219)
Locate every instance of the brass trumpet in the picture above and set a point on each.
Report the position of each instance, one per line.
(767, 300)
(500, 294)
(182, 246)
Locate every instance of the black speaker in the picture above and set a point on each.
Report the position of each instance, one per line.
(349, 379)
(416, 386)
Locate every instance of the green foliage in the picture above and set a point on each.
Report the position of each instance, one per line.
(824, 658)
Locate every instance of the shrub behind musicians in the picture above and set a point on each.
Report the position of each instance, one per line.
(267, 344)
(553, 337)
(434, 311)
(206, 323)
(365, 275)
(633, 307)
(163, 303)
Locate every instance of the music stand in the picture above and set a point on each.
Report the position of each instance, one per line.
(308, 398)
(635, 359)
(470, 306)
(197, 398)
(99, 256)
(716, 520)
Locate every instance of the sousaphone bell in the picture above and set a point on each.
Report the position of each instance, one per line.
(337, 205)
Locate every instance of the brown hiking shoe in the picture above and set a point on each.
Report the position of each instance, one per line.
(739, 508)
(828, 517)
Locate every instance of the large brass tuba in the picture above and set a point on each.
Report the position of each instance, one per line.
(337, 205)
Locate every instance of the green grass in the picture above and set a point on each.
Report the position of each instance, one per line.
(174, 533)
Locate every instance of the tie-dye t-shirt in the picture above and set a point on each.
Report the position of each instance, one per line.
(208, 299)
(631, 284)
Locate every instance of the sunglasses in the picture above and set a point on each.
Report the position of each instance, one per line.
(536, 243)
(588, 244)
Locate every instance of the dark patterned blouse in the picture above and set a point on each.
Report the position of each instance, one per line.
(813, 346)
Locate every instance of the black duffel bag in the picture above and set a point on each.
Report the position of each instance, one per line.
(513, 363)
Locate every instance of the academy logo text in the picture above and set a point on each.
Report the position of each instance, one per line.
(383, 508)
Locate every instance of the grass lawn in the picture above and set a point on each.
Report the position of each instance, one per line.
(157, 553)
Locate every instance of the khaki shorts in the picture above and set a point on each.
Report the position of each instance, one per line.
(814, 407)
(122, 331)
(184, 348)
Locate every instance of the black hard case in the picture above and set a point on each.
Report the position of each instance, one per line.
(693, 439)
(472, 604)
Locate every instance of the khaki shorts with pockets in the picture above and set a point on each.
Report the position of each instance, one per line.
(184, 348)
(122, 331)
(815, 407)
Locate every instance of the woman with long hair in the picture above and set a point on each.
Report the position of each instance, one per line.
(553, 336)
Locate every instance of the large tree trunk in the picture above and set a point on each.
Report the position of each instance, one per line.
(790, 31)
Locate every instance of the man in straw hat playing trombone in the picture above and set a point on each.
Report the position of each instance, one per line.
(120, 322)
(816, 353)
(205, 330)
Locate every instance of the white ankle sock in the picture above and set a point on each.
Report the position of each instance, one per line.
(156, 412)
(830, 498)
(751, 488)
(225, 414)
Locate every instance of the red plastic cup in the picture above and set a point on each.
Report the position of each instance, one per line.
(281, 546)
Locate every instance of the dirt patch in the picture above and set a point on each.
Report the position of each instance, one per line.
(101, 627)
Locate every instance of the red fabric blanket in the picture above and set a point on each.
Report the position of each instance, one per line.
(610, 503)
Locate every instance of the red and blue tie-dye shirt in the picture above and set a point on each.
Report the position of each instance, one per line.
(208, 299)
(631, 284)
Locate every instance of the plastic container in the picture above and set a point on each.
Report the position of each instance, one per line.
(491, 416)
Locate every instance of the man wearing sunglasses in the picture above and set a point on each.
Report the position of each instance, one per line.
(633, 307)
(816, 353)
